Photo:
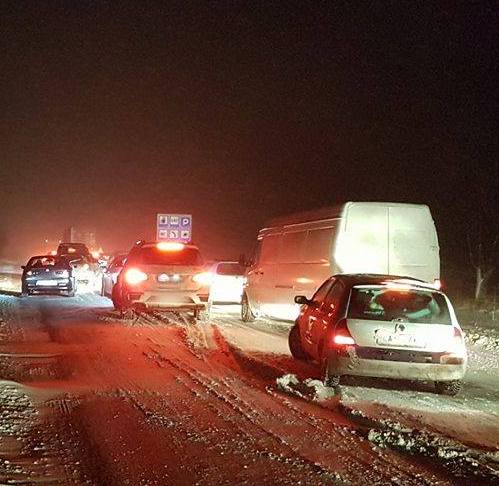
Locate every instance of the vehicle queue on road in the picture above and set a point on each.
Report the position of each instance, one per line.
(359, 281)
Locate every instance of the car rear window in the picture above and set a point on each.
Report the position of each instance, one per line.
(47, 261)
(230, 269)
(154, 256)
(388, 304)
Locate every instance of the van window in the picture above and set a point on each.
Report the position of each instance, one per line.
(270, 248)
(318, 245)
(292, 247)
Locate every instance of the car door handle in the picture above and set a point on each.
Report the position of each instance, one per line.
(284, 287)
(258, 273)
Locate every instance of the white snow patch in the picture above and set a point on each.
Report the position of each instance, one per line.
(308, 389)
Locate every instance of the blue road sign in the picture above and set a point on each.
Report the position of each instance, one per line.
(174, 227)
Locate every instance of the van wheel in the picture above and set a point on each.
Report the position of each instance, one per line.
(450, 388)
(294, 342)
(246, 312)
(329, 380)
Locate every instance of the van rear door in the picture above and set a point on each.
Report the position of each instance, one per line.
(413, 243)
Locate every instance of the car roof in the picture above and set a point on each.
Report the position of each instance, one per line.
(352, 279)
(76, 245)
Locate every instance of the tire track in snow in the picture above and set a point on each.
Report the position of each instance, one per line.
(358, 470)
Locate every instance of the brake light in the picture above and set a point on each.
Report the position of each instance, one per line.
(456, 342)
(134, 276)
(342, 336)
(170, 246)
(204, 278)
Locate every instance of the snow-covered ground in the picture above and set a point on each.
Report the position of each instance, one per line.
(161, 399)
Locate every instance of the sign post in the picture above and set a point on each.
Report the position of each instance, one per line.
(174, 227)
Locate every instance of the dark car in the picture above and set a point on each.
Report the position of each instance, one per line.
(381, 326)
(48, 274)
(74, 250)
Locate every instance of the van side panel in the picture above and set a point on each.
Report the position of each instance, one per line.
(303, 265)
(413, 240)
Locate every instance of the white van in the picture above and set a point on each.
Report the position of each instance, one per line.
(296, 253)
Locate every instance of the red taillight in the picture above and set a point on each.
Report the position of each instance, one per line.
(134, 276)
(342, 336)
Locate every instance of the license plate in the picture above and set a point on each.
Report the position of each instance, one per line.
(47, 283)
(397, 339)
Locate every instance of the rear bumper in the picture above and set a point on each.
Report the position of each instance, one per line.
(167, 300)
(63, 285)
(403, 370)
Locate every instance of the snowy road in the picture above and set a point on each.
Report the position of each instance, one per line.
(89, 398)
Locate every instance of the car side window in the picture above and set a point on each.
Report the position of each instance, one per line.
(322, 291)
(334, 295)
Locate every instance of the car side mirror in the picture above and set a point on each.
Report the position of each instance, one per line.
(23, 267)
(302, 300)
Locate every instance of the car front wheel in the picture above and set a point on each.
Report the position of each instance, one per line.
(116, 298)
(450, 388)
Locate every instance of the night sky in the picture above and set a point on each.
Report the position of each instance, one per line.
(238, 112)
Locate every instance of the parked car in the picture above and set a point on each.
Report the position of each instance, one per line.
(296, 253)
(381, 326)
(110, 275)
(163, 276)
(48, 274)
(227, 282)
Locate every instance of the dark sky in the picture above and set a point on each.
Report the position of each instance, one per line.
(113, 111)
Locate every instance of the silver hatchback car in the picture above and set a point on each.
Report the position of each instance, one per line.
(381, 326)
(163, 276)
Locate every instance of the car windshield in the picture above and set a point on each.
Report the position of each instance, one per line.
(230, 269)
(47, 261)
(388, 304)
(154, 256)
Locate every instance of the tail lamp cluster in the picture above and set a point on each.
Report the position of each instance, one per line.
(342, 336)
(135, 276)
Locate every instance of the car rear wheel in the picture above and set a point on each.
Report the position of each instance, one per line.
(116, 298)
(71, 293)
(246, 312)
(294, 342)
(450, 388)
(203, 315)
(328, 379)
